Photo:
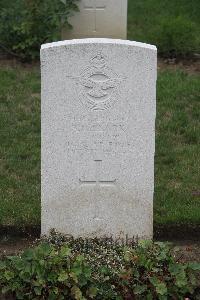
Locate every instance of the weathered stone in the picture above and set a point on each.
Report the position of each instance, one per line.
(98, 128)
(98, 18)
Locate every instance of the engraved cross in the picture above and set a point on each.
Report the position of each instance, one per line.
(95, 6)
(97, 181)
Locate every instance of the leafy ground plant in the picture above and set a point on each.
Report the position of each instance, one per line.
(67, 268)
(46, 272)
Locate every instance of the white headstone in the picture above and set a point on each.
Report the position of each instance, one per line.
(98, 18)
(98, 129)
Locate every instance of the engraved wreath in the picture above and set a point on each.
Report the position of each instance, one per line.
(98, 85)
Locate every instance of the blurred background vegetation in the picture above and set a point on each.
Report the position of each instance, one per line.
(26, 24)
(173, 26)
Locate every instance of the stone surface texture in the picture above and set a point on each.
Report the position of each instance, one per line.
(98, 137)
(98, 18)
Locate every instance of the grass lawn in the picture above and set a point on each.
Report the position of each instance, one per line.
(177, 172)
(19, 146)
(177, 147)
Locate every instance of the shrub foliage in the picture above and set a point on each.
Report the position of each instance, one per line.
(173, 26)
(97, 269)
(26, 24)
(176, 37)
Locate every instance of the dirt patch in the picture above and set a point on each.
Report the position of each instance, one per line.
(14, 240)
(15, 63)
(177, 232)
(15, 233)
(189, 66)
(13, 247)
(188, 251)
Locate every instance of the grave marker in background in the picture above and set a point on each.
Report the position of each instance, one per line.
(98, 18)
(98, 130)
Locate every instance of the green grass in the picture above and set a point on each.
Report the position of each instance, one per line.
(171, 25)
(177, 148)
(19, 146)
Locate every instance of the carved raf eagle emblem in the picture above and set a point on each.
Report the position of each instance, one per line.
(98, 85)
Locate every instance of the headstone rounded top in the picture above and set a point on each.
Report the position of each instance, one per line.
(98, 41)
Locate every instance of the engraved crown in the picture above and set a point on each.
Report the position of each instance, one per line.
(98, 61)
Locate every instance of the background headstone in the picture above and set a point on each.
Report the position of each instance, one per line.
(98, 18)
(98, 129)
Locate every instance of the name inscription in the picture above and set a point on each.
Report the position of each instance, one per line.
(110, 140)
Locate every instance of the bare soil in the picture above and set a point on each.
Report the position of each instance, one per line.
(189, 66)
(13, 247)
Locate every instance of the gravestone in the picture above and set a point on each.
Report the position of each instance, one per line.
(98, 130)
(98, 18)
